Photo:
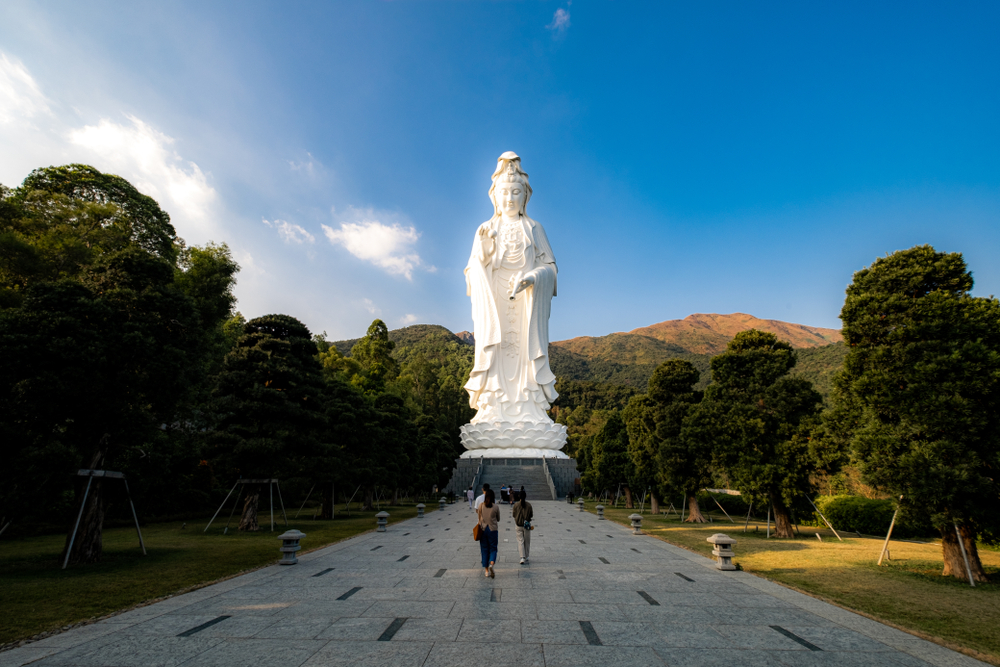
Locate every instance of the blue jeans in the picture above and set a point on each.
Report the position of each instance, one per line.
(488, 546)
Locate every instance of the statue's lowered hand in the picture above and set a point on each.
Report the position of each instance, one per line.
(519, 283)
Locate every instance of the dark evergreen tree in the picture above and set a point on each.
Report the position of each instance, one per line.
(758, 422)
(610, 466)
(269, 402)
(673, 463)
(919, 397)
(374, 353)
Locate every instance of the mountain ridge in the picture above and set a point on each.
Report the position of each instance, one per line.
(708, 333)
(629, 358)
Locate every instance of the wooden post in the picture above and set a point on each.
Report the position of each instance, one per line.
(305, 501)
(221, 506)
(281, 502)
(885, 545)
(270, 492)
(239, 495)
(824, 519)
(72, 538)
(723, 510)
(134, 516)
(965, 556)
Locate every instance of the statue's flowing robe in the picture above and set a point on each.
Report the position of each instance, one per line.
(491, 391)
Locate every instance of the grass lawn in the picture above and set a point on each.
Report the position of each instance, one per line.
(909, 592)
(36, 596)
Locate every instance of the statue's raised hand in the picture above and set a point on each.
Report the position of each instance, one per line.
(486, 237)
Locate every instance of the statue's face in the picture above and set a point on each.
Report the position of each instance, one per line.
(510, 197)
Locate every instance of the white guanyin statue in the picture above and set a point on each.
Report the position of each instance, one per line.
(511, 277)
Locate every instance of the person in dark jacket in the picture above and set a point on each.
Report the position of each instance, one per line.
(522, 521)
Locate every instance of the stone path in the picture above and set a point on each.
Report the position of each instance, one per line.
(592, 594)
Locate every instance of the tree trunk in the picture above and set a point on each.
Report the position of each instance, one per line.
(369, 503)
(694, 511)
(88, 545)
(326, 506)
(654, 503)
(954, 564)
(782, 518)
(248, 521)
(395, 496)
(628, 499)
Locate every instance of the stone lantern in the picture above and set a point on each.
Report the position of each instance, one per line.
(442, 502)
(290, 545)
(383, 521)
(723, 551)
(600, 512)
(420, 510)
(636, 523)
(579, 503)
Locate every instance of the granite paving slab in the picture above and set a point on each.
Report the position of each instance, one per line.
(591, 594)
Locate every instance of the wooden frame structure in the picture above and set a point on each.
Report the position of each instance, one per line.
(272, 483)
(107, 474)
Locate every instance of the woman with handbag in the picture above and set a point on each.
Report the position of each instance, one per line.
(489, 517)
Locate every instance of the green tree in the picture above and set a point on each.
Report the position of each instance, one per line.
(374, 353)
(673, 463)
(758, 422)
(610, 465)
(136, 216)
(92, 369)
(920, 394)
(270, 407)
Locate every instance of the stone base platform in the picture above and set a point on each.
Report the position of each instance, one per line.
(514, 440)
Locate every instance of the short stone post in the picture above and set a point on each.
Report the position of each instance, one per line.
(289, 545)
(442, 503)
(420, 510)
(723, 551)
(636, 523)
(600, 512)
(579, 504)
(383, 521)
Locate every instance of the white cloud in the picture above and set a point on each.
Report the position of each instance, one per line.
(291, 233)
(388, 246)
(247, 263)
(560, 21)
(408, 319)
(20, 96)
(310, 166)
(371, 307)
(143, 155)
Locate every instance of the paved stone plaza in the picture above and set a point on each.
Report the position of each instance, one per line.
(592, 594)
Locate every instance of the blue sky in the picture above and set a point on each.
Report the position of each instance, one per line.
(685, 157)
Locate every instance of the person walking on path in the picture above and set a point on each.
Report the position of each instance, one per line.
(482, 496)
(489, 517)
(471, 496)
(522, 521)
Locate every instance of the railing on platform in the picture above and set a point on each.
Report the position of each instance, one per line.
(548, 478)
(478, 477)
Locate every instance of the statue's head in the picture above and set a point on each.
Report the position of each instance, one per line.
(508, 175)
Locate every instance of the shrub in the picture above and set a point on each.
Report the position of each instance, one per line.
(870, 517)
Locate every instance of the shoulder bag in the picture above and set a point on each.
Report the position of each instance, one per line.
(477, 530)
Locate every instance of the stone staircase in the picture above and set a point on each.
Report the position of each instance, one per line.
(531, 477)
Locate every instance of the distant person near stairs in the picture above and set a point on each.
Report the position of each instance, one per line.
(471, 496)
(522, 521)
